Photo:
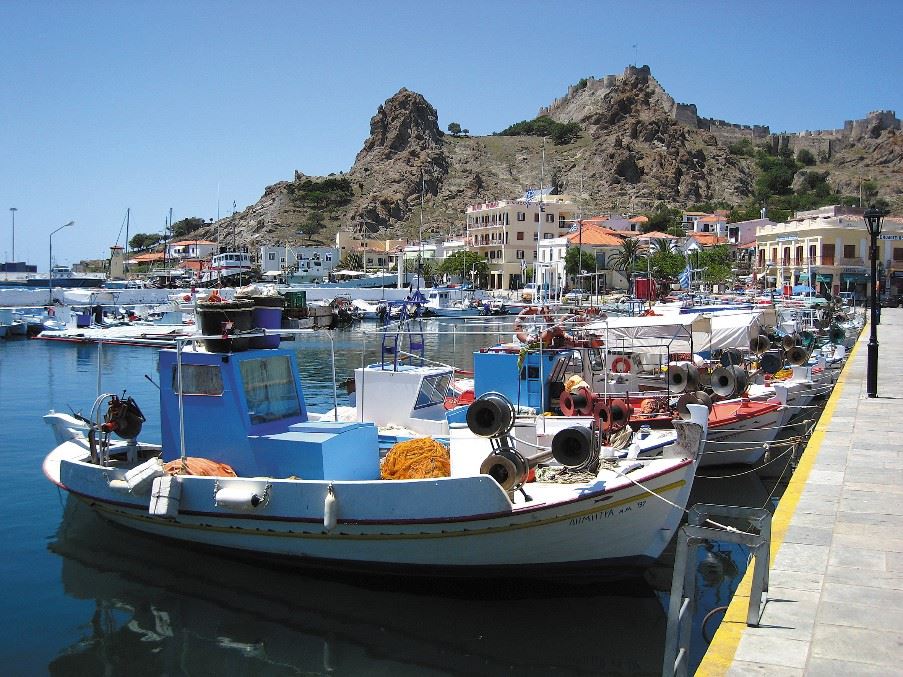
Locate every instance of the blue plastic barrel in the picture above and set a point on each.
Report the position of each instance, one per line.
(267, 315)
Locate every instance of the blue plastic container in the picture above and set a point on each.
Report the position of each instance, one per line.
(267, 314)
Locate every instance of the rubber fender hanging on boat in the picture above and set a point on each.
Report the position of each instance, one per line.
(238, 497)
(330, 509)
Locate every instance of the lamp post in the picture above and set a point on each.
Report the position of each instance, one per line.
(50, 261)
(873, 218)
(13, 210)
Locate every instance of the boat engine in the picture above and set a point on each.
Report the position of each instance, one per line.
(123, 417)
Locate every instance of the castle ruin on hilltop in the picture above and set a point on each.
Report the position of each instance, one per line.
(821, 143)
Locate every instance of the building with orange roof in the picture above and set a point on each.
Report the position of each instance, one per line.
(191, 249)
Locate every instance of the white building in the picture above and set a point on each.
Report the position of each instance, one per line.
(306, 264)
(191, 249)
(507, 232)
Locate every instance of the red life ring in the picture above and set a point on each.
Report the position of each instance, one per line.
(519, 331)
(621, 365)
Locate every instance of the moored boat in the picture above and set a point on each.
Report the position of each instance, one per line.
(284, 486)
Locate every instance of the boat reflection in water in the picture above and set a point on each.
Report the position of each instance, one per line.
(164, 609)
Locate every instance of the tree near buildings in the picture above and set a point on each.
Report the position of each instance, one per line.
(464, 264)
(352, 261)
(141, 241)
(627, 257)
(312, 225)
(578, 261)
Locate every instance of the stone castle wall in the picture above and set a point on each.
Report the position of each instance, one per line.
(821, 143)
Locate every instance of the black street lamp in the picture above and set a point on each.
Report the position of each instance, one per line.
(873, 218)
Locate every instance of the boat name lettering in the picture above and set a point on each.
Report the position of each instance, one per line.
(605, 514)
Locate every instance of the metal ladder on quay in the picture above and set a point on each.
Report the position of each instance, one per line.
(683, 584)
(407, 324)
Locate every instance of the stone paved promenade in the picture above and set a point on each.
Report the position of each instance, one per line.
(835, 604)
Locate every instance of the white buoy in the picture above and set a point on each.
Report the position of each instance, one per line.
(330, 509)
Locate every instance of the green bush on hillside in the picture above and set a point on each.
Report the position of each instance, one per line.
(559, 132)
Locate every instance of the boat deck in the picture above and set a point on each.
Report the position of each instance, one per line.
(835, 603)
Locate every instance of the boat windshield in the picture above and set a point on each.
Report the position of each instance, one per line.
(269, 389)
(432, 390)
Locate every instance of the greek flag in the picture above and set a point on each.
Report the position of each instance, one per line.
(529, 195)
(685, 276)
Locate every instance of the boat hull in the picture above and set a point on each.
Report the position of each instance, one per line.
(612, 524)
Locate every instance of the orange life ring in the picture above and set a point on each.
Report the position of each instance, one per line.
(621, 365)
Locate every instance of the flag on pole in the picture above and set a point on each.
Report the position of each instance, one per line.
(685, 276)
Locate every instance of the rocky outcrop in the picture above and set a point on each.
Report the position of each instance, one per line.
(638, 148)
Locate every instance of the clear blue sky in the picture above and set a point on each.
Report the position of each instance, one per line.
(152, 105)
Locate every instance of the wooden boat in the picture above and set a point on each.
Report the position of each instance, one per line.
(312, 492)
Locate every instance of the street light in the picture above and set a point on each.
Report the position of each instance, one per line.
(13, 210)
(873, 218)
(50, 266)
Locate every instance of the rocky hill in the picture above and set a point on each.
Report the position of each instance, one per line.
(637, 149)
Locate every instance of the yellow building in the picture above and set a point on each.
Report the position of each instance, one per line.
(831, 245)
(506, 233)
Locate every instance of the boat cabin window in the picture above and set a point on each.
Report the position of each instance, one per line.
(596, 359)
(199, 379)
(432, 390)
(270, 389)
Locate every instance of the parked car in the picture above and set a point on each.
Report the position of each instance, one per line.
(577, 295)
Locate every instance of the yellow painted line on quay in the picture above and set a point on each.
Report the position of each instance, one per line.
(720, 655)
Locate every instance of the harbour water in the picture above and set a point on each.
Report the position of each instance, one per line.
(85, 597)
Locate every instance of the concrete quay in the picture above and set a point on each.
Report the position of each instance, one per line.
(835, 600)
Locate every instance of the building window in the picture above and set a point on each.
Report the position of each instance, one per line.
(521, 216)
(898, 253)
(535, 236)
(271, 256)
(534, 254)
(550, 218)
(520, 253)
(520, 235)
(536, 217)
(849, 251)
(329, 257)
(547, 236)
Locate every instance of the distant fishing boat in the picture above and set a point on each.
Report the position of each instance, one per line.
(61, 276)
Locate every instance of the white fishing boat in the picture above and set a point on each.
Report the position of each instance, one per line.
(284, 486)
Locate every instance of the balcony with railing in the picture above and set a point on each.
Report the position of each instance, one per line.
(852, 261)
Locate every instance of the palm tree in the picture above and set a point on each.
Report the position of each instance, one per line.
(626, 258)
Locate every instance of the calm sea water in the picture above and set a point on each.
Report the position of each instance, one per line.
(84, 597)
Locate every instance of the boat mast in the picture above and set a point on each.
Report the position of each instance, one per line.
(125, 264)
(420, 233)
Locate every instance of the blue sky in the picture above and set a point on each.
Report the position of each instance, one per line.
(152, 105)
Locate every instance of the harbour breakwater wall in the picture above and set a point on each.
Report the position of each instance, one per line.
(36, 298)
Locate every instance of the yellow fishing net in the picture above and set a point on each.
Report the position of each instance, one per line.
(416, 459)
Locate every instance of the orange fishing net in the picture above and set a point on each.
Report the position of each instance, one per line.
(202, 467)
(416, 459)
